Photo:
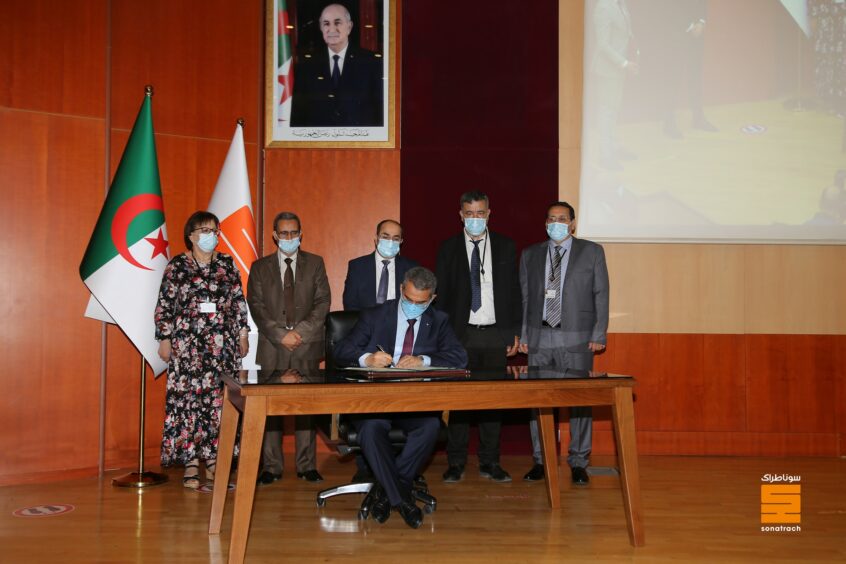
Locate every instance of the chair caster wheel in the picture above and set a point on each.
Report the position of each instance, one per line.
(428, 509)
(321, 502)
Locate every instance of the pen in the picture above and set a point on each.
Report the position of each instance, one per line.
(386, 352)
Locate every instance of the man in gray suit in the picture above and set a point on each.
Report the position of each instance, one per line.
(288, 294)
(564, 282)
(614, 57)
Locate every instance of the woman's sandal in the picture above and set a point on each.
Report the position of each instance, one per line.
(210, 468)
(191, 479)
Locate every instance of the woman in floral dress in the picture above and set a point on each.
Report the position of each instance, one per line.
(201, 325)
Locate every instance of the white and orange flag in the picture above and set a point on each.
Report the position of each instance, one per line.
(232, 204)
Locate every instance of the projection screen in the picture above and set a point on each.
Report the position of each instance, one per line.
(714, 121)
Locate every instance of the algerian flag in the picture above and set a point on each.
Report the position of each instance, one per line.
(284, 83)
(232, 204)
(128, 251)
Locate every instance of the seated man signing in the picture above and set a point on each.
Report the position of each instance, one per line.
(405, 333)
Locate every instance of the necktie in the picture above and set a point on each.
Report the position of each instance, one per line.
(408, 342)
(289, 293)
(382, 294)
(336, 72)
(475, 280)
(553, 305)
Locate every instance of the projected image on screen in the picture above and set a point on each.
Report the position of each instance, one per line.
(714, 120)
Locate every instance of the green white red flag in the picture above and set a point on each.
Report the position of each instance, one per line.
(284, 84)
(128, 251)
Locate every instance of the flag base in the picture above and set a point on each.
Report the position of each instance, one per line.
(139, 480)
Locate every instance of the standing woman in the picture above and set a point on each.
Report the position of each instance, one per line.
(201, 326)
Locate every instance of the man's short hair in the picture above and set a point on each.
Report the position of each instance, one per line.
(422, 278)
(282, 216)
(347, 15)
(562, 205)
(382, 224)
(473, 196)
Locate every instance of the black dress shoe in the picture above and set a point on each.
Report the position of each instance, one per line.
(268, 478)
(494, 472)
(411, 514)
(381, 508)
(310, 476)
(535, 474)
(453, 474)
(580, 476)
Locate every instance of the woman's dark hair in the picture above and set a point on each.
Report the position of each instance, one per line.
(197, 219)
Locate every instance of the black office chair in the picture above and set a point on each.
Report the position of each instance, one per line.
(338, 325)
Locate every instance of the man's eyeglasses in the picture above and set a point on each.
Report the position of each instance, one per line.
(288, 234)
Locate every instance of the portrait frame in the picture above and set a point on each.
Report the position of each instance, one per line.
(294, 43)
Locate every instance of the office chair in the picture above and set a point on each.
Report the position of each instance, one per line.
(338, 325)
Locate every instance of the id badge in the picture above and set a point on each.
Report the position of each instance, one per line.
(550, 293)
(208, 307)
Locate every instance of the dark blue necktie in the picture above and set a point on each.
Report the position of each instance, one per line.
(336, 72)
(475, 278)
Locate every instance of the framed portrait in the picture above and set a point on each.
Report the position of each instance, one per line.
(330, 73)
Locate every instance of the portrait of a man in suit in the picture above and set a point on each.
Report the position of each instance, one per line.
(337, 84)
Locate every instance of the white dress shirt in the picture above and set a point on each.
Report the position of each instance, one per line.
(392, 276)
(484, 315)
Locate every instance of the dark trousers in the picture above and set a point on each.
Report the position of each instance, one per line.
(396, 472)
(485, 349)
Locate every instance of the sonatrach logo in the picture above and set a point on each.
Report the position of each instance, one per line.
(781, 503)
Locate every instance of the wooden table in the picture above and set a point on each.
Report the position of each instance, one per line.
(258, 401)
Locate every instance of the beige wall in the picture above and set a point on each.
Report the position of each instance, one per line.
(675, 288)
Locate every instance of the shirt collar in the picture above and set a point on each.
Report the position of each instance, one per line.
(342, 53)
(566, 245)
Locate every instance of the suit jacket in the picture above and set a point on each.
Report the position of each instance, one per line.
(612, 34)
(378, 326)
(360, 285)
(358, 101)
(267, 305)
(454, 295)
(584, 302)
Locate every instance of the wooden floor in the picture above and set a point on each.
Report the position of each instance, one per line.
(696, 510)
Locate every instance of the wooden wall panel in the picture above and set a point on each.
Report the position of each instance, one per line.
(52, 56)
(791, 381)
(340, 196)
(204, 61)
(51, 361)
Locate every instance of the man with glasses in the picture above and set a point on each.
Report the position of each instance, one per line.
(479, 289)
(405, 333)
(289, 298)
(372, 280)
(564, 282)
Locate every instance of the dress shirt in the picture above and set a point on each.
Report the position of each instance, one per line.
(282, 266)
(485, 315)
(566, 246)
(392, 276)
(402, 327)
(342, 53)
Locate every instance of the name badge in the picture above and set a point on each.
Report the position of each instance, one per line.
(208, 307)
(550, 294)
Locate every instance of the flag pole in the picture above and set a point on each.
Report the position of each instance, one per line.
(141, 479)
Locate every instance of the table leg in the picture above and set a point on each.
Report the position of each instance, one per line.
(252, 432)
(624, 430)
(225, 449)
(546, 427)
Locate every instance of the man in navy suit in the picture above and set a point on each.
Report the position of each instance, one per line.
(341, 85)
(406, 333)
(375, 278)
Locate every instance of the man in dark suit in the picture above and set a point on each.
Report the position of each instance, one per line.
(289, 298)
(341, 85)
(479, 289)
(375, 278)
(372, 280)
(564, 282)
(406, 333)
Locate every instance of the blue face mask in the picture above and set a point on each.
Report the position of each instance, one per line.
(207, 242)
(475, 226)
(557, 231)
(289, 246)
(411, 310)
(388, 248)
